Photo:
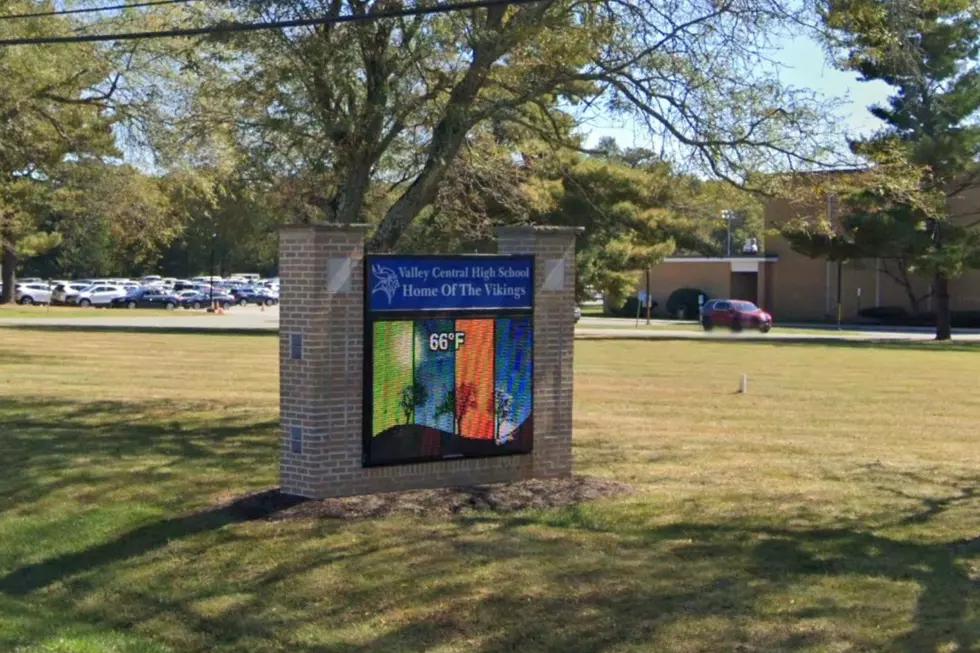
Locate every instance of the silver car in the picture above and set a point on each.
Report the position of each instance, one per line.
(97, 295)
(32, 293)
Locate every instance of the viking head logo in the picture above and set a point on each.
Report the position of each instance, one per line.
(387, 281)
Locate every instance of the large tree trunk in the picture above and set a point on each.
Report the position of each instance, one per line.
(8, 262)
(944, 328)
(448, 138)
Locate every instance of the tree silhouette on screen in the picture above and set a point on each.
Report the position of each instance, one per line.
(502, 406)
(413, 396)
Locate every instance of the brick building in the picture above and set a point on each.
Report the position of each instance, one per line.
(794, 287)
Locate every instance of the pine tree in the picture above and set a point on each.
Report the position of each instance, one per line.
(927, 153)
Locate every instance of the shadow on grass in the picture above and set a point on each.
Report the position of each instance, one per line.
(149, 328)
(92, 446)
(817, 341)
(145, 539)
(643, 582)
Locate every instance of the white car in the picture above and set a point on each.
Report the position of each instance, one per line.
(97, 295)
(32, 293)
(63, 292)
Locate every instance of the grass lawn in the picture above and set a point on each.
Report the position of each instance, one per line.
(41, 312)
(835, 507)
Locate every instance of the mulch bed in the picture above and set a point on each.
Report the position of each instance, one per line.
(272, 505)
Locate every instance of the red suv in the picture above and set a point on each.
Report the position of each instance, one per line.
(734, 314)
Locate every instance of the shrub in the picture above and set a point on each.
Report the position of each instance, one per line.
(885, 314)
(898, 316)
(686, 300)
(628, 309)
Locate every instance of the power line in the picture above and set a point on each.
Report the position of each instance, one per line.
(89, 10)
(227, 28)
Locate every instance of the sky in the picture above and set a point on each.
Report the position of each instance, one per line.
(805, 65)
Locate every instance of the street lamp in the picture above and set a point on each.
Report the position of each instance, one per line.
(214, 238)
(727, 216)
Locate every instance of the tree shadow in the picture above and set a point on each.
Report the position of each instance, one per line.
(53, 444)
(144, 539)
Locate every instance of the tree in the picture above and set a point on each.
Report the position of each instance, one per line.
(394, 102)
(465, 395)
(502, 407)
(412, 397)
(927, 153)
(448, 407)
(50, 112)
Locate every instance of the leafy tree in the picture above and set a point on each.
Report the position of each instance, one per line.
(927, 51)
(384, 109)
(50, 112)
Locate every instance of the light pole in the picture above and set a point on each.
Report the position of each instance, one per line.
(726, 215)
(214, 238)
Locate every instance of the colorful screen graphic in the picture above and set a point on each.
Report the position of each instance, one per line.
(446, 388)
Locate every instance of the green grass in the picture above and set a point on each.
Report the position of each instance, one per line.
(43, 312)
(835, 507)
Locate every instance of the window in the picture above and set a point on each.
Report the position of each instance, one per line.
(723, 306)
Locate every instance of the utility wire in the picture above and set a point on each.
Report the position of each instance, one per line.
(89, 10)
(227, 28)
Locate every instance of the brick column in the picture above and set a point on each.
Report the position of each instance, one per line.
(554, 337)
(321, 367)
(321, 349)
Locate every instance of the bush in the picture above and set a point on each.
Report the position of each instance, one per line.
(628, 309)
(885, 314)
(686, 300)
(898, 316)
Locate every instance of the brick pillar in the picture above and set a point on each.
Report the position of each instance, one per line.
(321, 349)
(554, 337)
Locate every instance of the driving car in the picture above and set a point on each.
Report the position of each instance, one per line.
(32, 293)
(735, 314)
(97, 295)
(578, 313)
(146, 298)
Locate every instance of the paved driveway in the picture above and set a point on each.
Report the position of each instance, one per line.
(252, 318)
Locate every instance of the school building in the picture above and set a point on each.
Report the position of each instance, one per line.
(794, 287)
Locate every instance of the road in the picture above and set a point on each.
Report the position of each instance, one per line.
(254, 319)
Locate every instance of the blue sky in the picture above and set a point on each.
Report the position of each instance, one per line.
(805, 65)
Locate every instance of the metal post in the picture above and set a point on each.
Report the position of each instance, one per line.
(840, 299)
(728, 220)
(648, 302)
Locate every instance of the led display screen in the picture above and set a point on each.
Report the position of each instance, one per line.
(449, 388)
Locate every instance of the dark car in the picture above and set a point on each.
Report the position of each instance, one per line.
(203, 299)
(245, 296)
(147, 298)
(735, 314)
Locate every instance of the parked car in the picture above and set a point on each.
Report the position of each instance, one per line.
(32, 293)
(735, 314)
(147, 298)
(578, 313)
(248, 295)
(97, 295)
(202, 299)
(63, 292)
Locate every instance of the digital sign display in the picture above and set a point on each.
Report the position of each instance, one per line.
(454, 380)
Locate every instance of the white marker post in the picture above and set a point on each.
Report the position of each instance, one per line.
(743, 388)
